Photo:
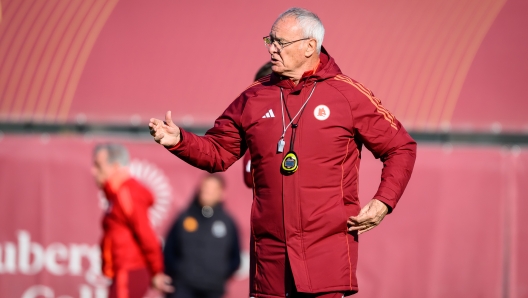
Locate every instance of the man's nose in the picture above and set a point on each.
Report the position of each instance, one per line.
(272, 49)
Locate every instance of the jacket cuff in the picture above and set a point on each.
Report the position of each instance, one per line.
(179, 143)
(388, 197)
(155, 270)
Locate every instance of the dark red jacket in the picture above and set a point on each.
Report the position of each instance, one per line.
(129, 242)
(301, 219)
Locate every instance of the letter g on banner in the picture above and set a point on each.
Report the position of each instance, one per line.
(39, 291)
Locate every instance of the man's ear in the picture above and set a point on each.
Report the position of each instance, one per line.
(311, 48)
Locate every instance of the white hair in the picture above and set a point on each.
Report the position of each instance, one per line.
(310, 23)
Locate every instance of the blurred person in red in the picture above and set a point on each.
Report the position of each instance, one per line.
(202, 250)
(130, 250)
(246, 160)
(304, 126)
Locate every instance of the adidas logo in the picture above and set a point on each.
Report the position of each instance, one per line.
(269, 114)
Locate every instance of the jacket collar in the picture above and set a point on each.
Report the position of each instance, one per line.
(326, 69)
(113, 184)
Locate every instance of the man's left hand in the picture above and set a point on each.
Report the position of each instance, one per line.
(369, 217)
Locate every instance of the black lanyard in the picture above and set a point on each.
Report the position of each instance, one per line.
(293, 125)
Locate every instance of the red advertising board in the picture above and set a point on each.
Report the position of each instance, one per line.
(457, 232)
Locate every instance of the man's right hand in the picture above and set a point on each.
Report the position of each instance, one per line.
(162, 283)
(165, 132)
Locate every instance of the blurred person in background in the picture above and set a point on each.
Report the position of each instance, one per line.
(130, 250)
(202, 250)
(305, 126)
(246, 160)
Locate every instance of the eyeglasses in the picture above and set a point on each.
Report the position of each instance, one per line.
(268, 41)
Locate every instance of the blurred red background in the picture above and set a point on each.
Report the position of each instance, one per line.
(439, 66)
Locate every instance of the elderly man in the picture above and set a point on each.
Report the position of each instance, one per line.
(130, 250)
(304, 125)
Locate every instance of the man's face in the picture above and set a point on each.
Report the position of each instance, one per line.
(291, 57)
(102, 169)
(211, 192)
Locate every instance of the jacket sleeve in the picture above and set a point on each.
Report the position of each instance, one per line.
(136, 212)
(246, 168)
(171, 252)
(386, 138)
(221, 146)
(106, 258)
(234, 252)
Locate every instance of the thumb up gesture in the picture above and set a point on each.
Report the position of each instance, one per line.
(165, 132)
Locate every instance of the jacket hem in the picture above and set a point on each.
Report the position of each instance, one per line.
(338, 289)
